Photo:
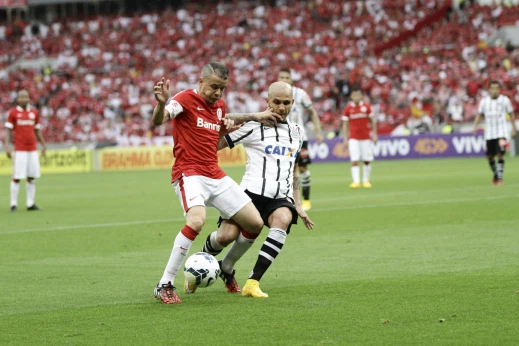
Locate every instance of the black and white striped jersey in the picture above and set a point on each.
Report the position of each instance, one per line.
(301, 103)
(271, 156)
(495, 111)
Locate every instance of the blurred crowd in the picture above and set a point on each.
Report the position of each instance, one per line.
(101, 85)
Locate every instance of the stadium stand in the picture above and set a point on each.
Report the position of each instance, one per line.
(415, 59)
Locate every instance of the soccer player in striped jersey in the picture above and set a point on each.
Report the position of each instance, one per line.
(271, 180)
(495, 108)
(303, 104)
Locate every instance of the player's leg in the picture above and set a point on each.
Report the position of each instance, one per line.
(491, 153)
(33, 172)
(305, 176)
(191, 191)
(19, 172)
(354, 148)
(501, 160)
(367, 157)
(279, 221)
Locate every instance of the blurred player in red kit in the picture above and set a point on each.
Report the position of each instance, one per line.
(357, 118)
(24, 122)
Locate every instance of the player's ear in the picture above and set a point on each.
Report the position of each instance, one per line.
(200, 81)
(267, 100)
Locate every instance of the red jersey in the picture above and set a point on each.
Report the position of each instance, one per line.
(196, 131)
(358, 117)
(23, 122)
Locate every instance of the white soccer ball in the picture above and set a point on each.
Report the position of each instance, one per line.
(201, 269)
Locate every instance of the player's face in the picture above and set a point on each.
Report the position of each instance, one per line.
(356, 96)
(212, 88)
(285, 77)
(281, 103)
(23, 98)
(494, 90)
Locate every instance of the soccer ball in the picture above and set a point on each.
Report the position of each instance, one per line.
(201, 269)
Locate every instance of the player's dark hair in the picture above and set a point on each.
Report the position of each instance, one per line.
(356, 88)
(287, 70)
(215, 68)
(494, 82)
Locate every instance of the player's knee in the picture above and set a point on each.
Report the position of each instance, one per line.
(16, 181)
(255, 225)
(355, 163)
(302, 168)
(367, 163)
(30, 180)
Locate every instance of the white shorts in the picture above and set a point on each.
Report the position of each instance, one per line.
(223, 194)
(360, 150)
(26, 164)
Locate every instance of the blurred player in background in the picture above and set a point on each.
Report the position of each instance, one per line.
(495, 108)
(199, 120)
(271, 180)
(302, 103)
(24, 122)
(357, 118)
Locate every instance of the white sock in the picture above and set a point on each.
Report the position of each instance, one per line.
(31, 193)
(366, 173)
(355, 174)
(181, 247)
(15, 188)
(238, 248)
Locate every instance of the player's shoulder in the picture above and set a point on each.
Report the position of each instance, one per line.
(185, 95)
(349, 106)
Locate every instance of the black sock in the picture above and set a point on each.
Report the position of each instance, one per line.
(500, 168)
(305, 183)
(208, 247)
(268, 253)
(493, 167)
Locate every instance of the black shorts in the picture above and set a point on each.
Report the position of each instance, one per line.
(267, 206)
(303, 157)
(493, 147)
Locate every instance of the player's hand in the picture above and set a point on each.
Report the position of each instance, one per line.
(345, 143)
(474, 131)
(9, 152)
(161, 90)
(228, 127)
(44, 152)
(306, 220)
(375, 138)
(319, 138)
(268, 117)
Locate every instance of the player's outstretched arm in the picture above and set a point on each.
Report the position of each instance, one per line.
(476, 123)
(317, 124)
(39, 137)
(162, 93)
(297, 200)
(267, 117)
(8, 137)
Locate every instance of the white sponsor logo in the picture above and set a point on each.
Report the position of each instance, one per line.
(358, 115)
(392, 147)
(207, 125)
(25, 122)
(320, 151)
(468, 145)
(363, 109)
(219, 114)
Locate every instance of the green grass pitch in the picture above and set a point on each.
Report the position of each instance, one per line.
(428, 256)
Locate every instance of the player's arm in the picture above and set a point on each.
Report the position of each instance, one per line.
(266, 117)
(162, 94)
(222, 143)
(514, 127)
(476, 123)
(373, 122)
(345, 130)
(8, 139)
(39, 138)
(317, 124)
(297, 199)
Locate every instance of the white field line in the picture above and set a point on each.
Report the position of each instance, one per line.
(316, 210)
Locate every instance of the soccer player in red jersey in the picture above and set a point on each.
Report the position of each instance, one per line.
(199, 120)
(357, 118)
(24, 122)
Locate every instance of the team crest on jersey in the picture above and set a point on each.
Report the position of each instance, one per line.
(363, 109)
(219, 114)
(294, 131)
(32, 115)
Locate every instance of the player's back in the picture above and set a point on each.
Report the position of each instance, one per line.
(196, 131)
(23, 122)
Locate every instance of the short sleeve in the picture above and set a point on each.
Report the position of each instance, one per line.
(508, 106)
(480, 106)
(11, 120)
(346, 114)
(242, 135)
(174, 107)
